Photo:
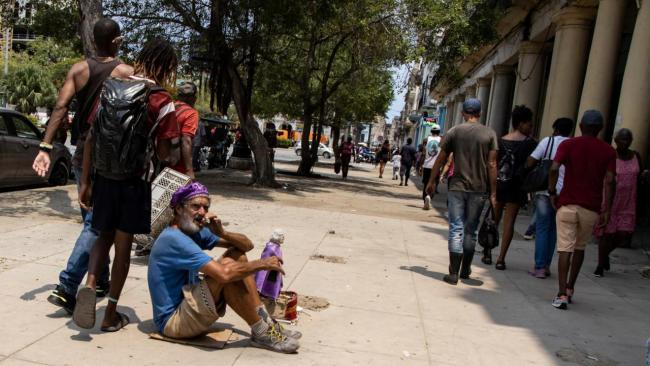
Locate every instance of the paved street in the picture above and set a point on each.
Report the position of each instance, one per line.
(365, 246)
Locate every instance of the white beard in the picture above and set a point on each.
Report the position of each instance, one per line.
(188, 225)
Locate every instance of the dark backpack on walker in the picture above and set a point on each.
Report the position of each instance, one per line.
(123, 142)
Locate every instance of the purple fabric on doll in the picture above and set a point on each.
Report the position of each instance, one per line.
(265, 286)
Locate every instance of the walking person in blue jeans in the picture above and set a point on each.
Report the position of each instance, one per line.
(474, 148)
(545, 230)
(83, 83)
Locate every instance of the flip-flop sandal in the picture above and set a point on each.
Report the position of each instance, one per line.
(124, 320)
(84, 310)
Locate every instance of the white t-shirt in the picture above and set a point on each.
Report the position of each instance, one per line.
(397, 160)
(429, 161)
(538, 154)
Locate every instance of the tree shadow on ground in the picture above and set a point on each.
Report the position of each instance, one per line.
(235, 184)
(54, 201)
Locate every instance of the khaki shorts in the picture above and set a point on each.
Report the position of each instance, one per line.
(196, 312)
(575, 226)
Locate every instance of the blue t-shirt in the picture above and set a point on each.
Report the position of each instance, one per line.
(174, 262)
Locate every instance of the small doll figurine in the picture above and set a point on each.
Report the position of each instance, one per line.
(269, 283)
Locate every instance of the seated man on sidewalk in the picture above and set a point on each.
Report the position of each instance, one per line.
(184, 305)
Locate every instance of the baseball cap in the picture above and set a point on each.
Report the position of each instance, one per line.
(187, 88)
(472, 106)
(592, 117)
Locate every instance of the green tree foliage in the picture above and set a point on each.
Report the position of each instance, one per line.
(29, 87)
(446, 31)
(326, 48)
(225, 38)
(58, 20)
(36, 74)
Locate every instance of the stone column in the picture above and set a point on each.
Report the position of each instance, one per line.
(529, 76)
(599, 78)
(633, 103)
(502, 86)
(568, 66)
(458, 116)
(483, 94)
(470, 91)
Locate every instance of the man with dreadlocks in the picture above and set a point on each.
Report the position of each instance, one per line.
(122, 202)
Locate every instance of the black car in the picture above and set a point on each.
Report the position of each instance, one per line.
(19, 140)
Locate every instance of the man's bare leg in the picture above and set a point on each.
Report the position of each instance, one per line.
(84, 311)
(120, 271)
(242, 295)
(564, 258)
(576, 263)
(98, 256)
(243, 298)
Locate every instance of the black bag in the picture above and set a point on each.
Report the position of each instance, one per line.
(507, 165)
(537, 179)
(337, 166)
(488, 234)
(123, 142)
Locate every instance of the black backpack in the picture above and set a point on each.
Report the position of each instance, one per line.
(123, 142)
(506, 166)
(507, 169)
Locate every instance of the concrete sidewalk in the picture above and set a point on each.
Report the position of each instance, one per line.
(387, 302)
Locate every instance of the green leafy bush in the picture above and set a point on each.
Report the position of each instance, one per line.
(285, 144)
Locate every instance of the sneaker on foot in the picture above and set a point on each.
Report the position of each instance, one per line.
(274, 340)
(569, 294)
(427, 203)
(287, 332)
(561, 302)
(62, 299)
(529, 236)
(102, 289)
(599, 272)
(538, 273)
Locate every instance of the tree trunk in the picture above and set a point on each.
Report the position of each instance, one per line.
(318, 132)
(263, 172)
(336, 136)
(91, 11)
(306, 162)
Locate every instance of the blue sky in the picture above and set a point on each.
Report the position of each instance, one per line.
(399, 90)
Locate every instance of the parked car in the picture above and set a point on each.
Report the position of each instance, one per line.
(323, 150)
(19, 140)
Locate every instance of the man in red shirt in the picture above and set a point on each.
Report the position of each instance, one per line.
(188, 122)
(589, 163)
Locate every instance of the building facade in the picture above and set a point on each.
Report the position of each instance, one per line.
(560, 58)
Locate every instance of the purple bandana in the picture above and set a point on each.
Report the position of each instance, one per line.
(189, 191)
